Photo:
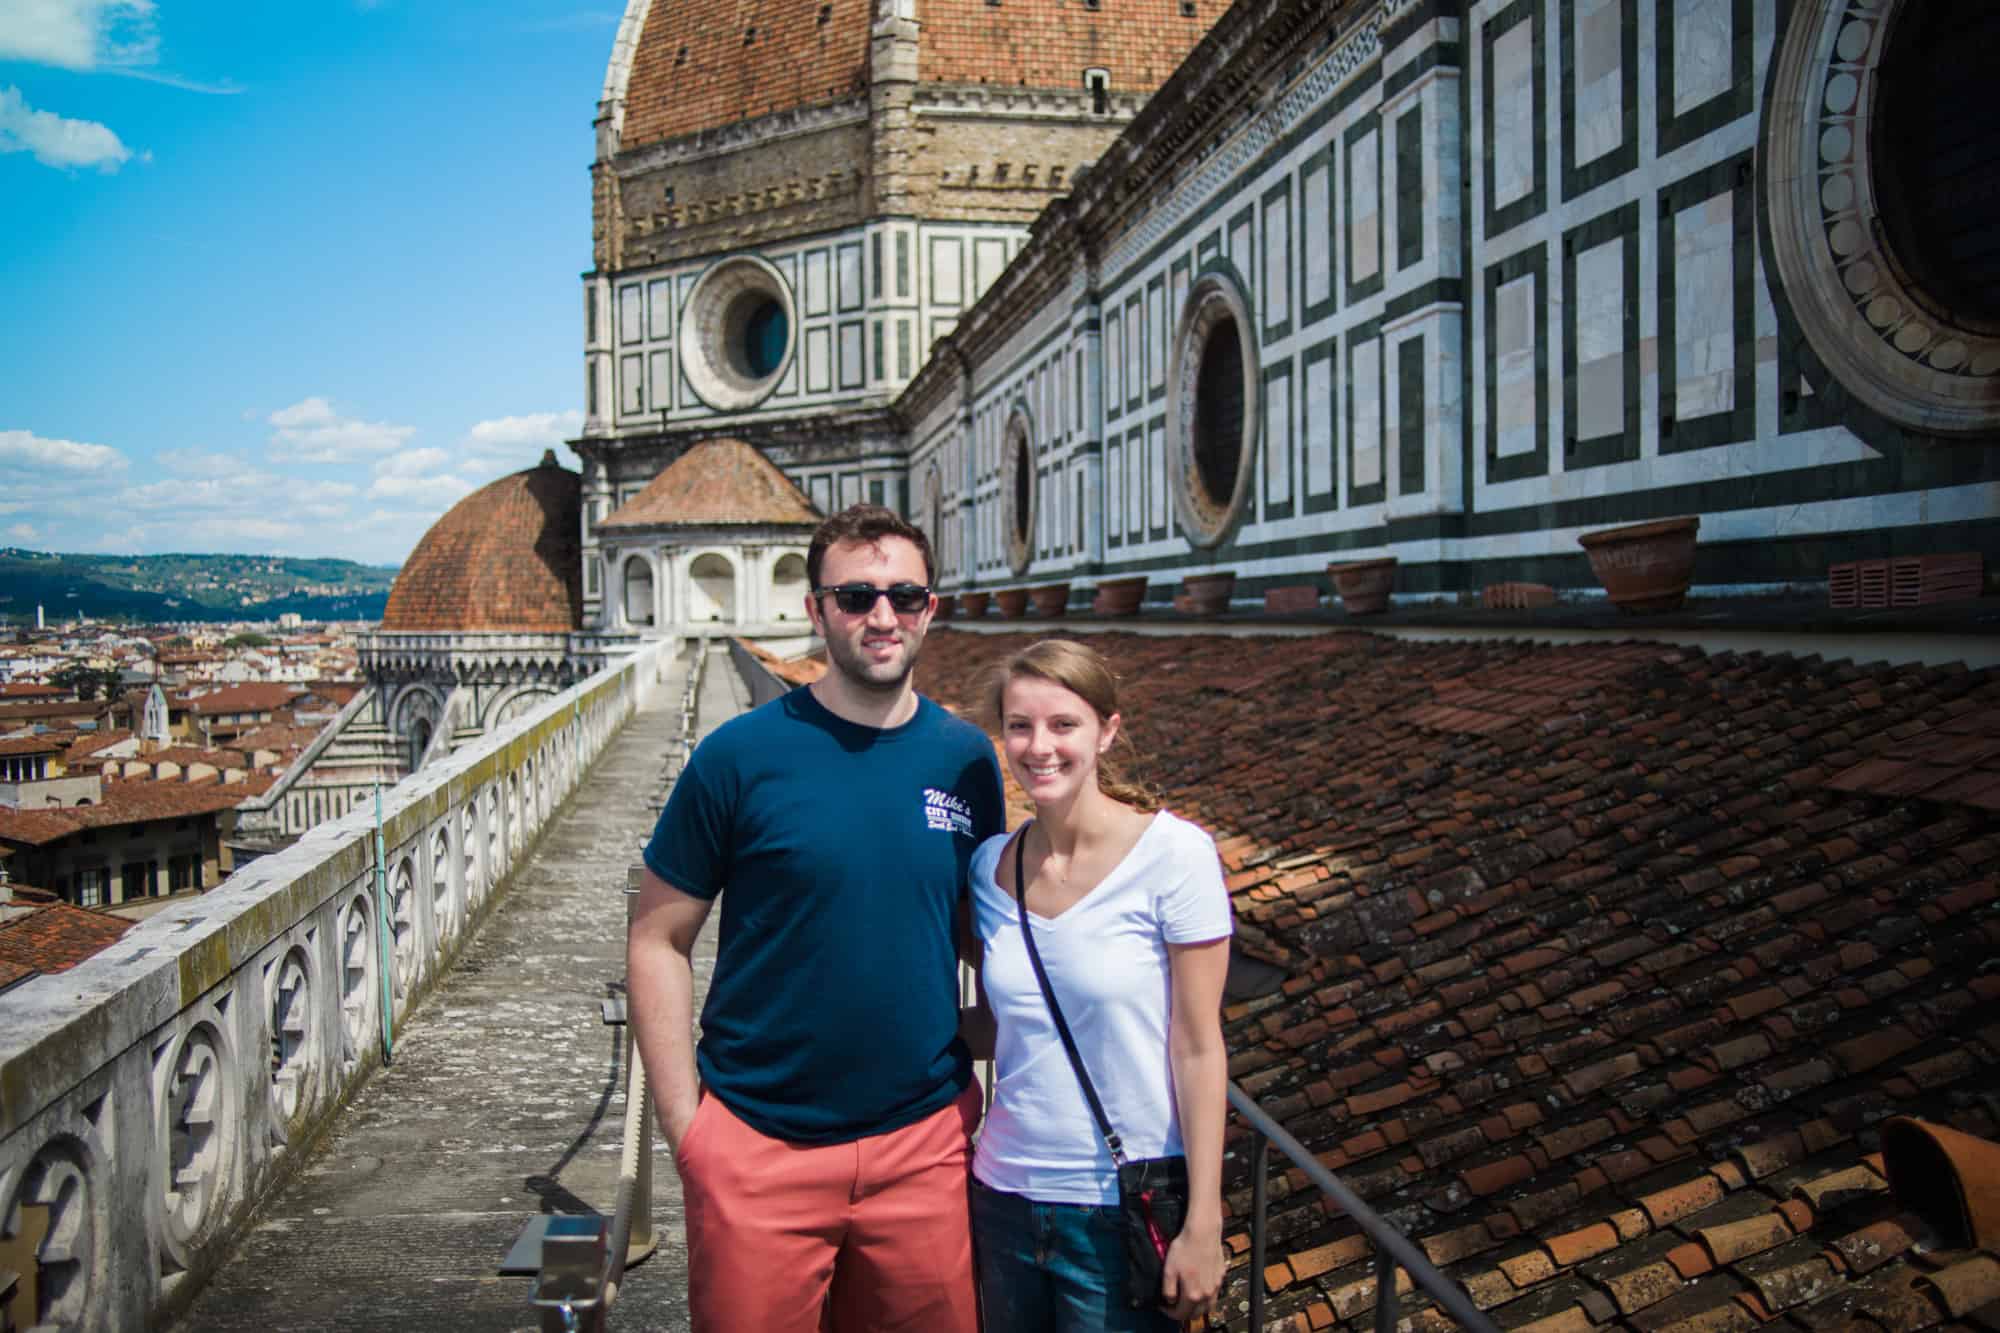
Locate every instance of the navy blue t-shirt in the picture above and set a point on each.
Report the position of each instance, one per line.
(833, 1011)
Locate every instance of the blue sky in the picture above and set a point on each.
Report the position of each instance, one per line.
(286, 277)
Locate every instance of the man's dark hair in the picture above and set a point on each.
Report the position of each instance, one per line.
(868, 524)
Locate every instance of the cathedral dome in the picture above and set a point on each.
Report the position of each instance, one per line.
(718, 483)
(503, 558)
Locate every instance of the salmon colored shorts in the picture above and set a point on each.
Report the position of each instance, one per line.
(872, 1236)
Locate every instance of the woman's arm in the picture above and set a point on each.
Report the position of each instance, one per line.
(1201, 1072)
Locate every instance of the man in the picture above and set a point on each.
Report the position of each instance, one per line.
(821, 1128)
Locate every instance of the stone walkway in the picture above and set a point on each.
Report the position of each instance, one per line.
(506, 1099)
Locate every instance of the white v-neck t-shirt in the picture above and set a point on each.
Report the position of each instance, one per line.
(1106, 957)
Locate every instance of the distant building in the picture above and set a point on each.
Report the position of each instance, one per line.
(131, 840)
(34, 775)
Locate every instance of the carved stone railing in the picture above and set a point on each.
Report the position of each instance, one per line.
(151, 1095)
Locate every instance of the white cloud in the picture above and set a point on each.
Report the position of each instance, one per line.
(20, 450)
(512, 437)
(310, 431)
(57, 141)
(24, 532)
(194, 463)
(441, 490)
(239, 495)
(79, 34)
(412, 463)
(228, 533)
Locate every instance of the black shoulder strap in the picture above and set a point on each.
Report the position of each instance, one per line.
(1111, 1140)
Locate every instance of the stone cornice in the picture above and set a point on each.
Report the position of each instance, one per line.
(757, 132)
(997, 101)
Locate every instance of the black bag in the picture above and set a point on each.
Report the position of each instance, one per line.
(1152, 1191)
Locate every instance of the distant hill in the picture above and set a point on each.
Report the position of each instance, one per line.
(151, 588)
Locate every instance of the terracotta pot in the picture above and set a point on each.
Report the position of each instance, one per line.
(1363, 585)
(947, 603)
(1120, 597)
(1208, 594)
(1013, 602)
(1647, 566)
(1051, 600)
(974, 603)
(1949, 1178)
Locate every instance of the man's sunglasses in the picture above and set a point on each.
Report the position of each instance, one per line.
(858, 599)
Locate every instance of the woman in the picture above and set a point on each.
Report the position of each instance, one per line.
(1131, 922)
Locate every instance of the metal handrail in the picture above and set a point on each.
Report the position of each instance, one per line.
(630, 1237)
(1393, 1250)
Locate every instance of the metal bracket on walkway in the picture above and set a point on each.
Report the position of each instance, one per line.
(569, 1289)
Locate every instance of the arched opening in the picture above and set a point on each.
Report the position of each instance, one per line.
(420, 742)
(1218, 413)
(789, 588)
(712, 590)
(638, 591)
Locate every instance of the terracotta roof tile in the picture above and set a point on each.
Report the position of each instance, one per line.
(506, 557)
(54, 937)
(1632, 980)
(133, 802)
(721, 482)
(254, 697)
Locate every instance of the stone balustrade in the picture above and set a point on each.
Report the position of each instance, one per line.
(151, 1095)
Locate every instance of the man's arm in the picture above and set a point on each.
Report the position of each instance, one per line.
(659, 970)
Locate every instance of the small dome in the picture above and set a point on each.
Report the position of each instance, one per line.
(718, 483)
(506, 557)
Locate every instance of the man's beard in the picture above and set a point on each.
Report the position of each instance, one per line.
(854, 667)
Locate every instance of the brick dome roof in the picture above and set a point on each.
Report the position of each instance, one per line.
(701, 64)
(721, 482)
(505, 557)
(705, 63)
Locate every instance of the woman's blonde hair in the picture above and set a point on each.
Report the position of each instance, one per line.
(1082, 671)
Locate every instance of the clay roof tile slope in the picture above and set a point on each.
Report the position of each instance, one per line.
(1603, 971)
(506, 557)
(56, 937)
(720, 482)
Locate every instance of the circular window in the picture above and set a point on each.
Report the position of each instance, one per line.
(1018, 458)
(1937, 172)
(1218, 413)
(737, 333)
(1879, 201)
(1213, 428)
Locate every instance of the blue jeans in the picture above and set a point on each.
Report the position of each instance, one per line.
(1052, 1268)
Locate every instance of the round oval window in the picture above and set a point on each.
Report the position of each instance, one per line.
(1937, 172)
(1218, 412)
(737, 333)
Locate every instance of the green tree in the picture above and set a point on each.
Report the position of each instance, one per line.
(86, 680)
(247, 639)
